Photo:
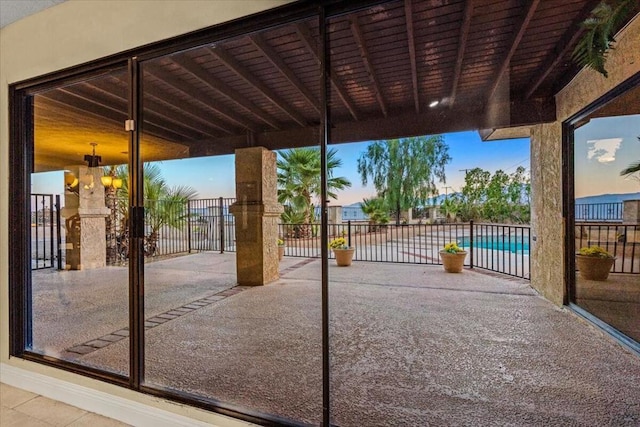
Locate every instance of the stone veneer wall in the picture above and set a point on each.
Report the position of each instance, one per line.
(547, 223)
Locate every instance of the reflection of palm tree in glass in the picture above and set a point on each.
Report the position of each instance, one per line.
(164, 205)
(634, 168)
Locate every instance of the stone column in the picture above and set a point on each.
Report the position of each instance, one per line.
(334, 217)
(547, 224)
(84, 216)
(631, 212)
(256, 212)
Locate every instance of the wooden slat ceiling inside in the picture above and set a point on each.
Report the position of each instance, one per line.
(488, 63)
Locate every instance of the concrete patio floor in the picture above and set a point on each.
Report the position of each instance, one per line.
(410, 344)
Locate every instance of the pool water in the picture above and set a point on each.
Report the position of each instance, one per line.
(500, 243)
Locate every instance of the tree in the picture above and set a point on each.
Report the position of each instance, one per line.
(163, 205)
(497, 198)
(404, 171)
(299, 180)
(633, 170)
(605, 19)
(377, 211)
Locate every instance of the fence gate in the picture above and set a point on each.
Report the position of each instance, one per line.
(46, 240)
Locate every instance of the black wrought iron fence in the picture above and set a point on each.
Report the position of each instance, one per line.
(500, 248)
(211, 225)
(622, 241)
(46, 238)
(599, 211)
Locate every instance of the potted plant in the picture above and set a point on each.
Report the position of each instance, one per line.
(594, 263)
(453, 257)
(343, 252)
(280, 249)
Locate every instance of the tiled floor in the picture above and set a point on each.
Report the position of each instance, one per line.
(19, 408)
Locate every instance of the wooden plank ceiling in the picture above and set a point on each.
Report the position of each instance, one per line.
(486, 63)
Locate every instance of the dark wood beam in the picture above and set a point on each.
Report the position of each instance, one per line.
(566, 42)
(405, 124)
(366, 60)
(198, 96)
(408, 13)
(150, 121)
(520, 27)
(232, 95)
(174, 103)
(83, 107)
(155, 111)
(462, 46)
(307, 39)
(242, 72)
(272, 56)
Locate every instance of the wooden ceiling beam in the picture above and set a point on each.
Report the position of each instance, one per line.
(366, 59)
(272, 56)
(566, 42)
(520, 28)
(307, 39)
(232, 95)
(462, 46)
(175, 104)
(154, 111)
(83, 107)
(168, 79)
(408, 13)
(242, 72)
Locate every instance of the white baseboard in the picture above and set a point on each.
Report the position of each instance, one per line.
(118, 408)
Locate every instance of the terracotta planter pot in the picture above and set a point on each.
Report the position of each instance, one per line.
(280, 252)
(594, 268)
(453, 263)
(344, 256)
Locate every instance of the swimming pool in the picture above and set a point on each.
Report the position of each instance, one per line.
(512, 244)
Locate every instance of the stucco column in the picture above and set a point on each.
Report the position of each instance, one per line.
(84, 216)
(256, 212)
(547, 224)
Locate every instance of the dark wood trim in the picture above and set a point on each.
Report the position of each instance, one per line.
(368, 65)
(462, 46)
(408, 13)
(272, 56)
(224, 90)
(241, 71)
(520, 27)
(307, 38)
(221, 109)
(556, 55)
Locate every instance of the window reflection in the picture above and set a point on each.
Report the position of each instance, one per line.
(607, 208)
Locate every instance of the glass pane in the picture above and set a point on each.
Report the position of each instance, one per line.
(607, 213)
(79, 238)
(218, 302)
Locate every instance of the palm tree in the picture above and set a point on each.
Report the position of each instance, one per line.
(163, 205)
(299, 180)
(377, 210)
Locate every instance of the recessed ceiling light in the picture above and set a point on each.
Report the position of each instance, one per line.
(434, 103)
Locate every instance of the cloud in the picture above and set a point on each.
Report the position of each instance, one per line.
(603, 150)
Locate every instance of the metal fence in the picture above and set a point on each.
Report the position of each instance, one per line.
(599, 211)
(499, 248)
(211, 226)
(623, 241)
(46, 239)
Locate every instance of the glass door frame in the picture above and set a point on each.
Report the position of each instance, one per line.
(568, 210)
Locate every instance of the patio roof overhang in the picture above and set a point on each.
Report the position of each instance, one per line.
(489, 64)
